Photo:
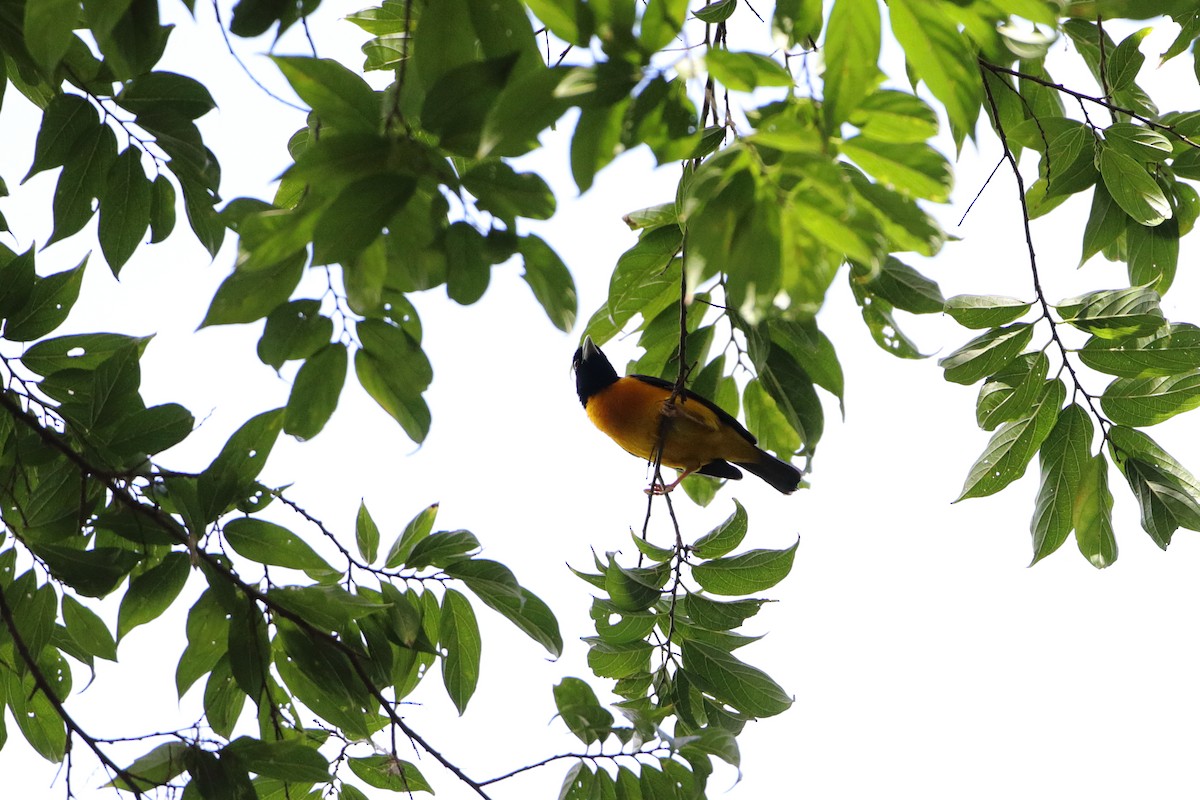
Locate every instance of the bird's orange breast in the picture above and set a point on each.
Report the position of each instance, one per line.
(630, 412)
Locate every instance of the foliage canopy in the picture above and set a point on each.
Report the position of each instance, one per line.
(802, 161)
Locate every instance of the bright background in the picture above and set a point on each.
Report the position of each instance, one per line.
(924, 657)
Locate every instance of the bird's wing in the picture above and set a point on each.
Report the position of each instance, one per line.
(723, 416)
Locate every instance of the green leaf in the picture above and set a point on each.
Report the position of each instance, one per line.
(47, 307)
(618, 660)
(596, 141)
(508, 194)
(1013, 445)
(207, 635)
(941, 56)
(1125, 61)
(394, 370)
(223, 699)
(550, 281)
(902, 220)
(1010, 393)
(745, 71)
(92, 573)
(124, 208)
(294, 330)
(389, 772)
(883, 326)
(521, 607)
(459, 636)
(887, 115)
(440, 549)
(1114, 314)
(48, 30)
(249, 295)
(985, 311)
(733, 682)
(1092, 514)
(1106, 223)
(752, 571)
(82, 180)
(650, 550)
(581, 712)
(792, 390)
(1064, 457)
(1153, 254)
(578, 782)
(155, 768)
(986, 354)
(285, 760)
(338, 96)
(1132, 187)
(812, 350)
(358, 215)
(916, 170)
(417, 529)
(905, 288)
(315, 392)
(645, 281)
(635, 588)
(230, 477)
(1148, 401)
(162, 209)
(468, 270)
(66, 122)
(1137, 141)
(268, 543)
(84, 351)
(1169, 496)
(716, 11)
(1173, 349)
(156, 93)
(87, 629)
(151, 593)
(661, 23)
(852, 42)
(366, 534)
(715, 615)
(722, 539)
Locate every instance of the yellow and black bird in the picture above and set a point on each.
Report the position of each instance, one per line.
(701, 437)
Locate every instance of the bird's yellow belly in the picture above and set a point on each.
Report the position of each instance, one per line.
(629, 411)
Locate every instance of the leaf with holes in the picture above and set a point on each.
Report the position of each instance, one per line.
(1012, 446)
(1064, 456)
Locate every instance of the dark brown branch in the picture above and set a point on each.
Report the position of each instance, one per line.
(1033, 265)
(593, 757)
(163, 520)
(44, 686)
(1100, 101)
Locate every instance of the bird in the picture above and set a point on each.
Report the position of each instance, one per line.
(700, 436)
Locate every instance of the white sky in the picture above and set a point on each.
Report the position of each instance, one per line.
(925, 658)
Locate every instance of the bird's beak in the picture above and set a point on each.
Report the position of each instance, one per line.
(589, 348)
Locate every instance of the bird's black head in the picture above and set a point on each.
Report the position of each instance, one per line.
(593, 373)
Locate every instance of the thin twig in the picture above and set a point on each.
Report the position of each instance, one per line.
(979, 194)
(262, 87)
(1100, 101)
(653, 751)
(1033, 265)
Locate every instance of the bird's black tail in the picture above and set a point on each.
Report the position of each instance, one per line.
(780, 474)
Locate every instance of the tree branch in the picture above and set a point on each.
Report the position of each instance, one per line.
(1033, 265)
(167, 523)
(45, 687)
(1100, 101)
